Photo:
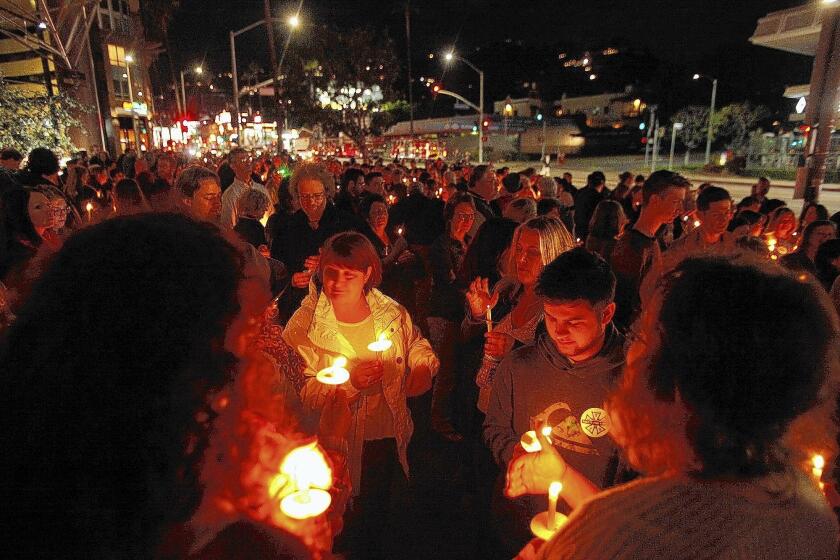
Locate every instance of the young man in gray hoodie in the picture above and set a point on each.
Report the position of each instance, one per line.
(562, 380)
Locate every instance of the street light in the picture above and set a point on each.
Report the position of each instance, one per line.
(711, 114)
(449, 57)
(293, 22)
(198, 70)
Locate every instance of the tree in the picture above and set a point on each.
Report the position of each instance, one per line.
(735, 122)
(694, 119)
(37, 121)
(342, 81)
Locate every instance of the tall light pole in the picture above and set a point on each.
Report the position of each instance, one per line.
(128, 60)
(711, 114)
(198, 70)
(449, 57)
(294, 23)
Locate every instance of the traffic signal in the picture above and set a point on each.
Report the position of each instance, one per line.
(485, 124)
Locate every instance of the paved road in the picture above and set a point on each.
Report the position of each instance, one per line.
(739, 187)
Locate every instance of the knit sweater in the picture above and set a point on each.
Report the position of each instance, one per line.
(779, 517)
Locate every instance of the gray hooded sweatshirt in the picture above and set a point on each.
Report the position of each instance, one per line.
(536, 384)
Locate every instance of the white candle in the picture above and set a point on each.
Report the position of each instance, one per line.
(818, 462)
(380, 345)
(335, 374)
(89, 208)
(554, 490)
(488, 316)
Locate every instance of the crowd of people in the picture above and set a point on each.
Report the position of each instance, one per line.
(163, 323)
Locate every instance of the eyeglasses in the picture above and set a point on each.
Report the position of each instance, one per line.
(316, 197)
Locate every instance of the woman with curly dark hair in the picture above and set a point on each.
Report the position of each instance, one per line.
(109, 373)
(722, 406)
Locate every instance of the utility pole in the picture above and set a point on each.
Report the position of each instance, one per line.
(275, 82)
(711, 116)
(235, 78)
(649, 133)
(410, 77)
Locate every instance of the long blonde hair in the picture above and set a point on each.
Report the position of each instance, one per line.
(554, 239)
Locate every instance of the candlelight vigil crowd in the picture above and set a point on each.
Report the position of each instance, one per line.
(256, 356)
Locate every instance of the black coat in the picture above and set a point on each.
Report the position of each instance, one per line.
(294, 240)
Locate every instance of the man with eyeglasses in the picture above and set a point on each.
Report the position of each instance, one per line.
(240, 162)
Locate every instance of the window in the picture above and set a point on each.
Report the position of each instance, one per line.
(119, 71)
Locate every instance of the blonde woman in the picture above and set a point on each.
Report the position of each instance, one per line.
(516, 308)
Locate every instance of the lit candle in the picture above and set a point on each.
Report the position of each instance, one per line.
(529, 440)
(380, 345)
(696, 223)
(335, 374)
(391, 199)
(89, 208)
(399, 230)
(488, 317)
(546, 523)
(818, 462)
(306, 467)
(553, 493)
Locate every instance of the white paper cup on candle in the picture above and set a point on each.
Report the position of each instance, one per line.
(335, 374)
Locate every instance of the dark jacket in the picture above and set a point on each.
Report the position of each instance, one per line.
(631, 258)
(798, 261)
(251, 231)
(421, 216)
(585, 202)
(294, 241)
(445, 258)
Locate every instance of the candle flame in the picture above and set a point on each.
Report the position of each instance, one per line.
(307, 467)
(89, 206)
(554, 489)
(546, 431)
(696, 223)
(818, 461)
(340, 362)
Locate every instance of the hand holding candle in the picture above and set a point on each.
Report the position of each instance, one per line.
(533, 472)
(545, 524)
(366, 374)
(89, 209)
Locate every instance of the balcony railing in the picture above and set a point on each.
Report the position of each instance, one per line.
(785, 21)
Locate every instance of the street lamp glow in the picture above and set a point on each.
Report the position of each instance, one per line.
(449, 56)
(129, 58)
(592, 76)
(199, 69)
(42, 25)
(294, 21)
(695, 77)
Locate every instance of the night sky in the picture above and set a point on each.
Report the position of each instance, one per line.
(516, 42)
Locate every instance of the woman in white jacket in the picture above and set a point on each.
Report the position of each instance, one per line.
(341, 318)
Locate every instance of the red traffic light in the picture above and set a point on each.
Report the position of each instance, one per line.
(485, 123)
